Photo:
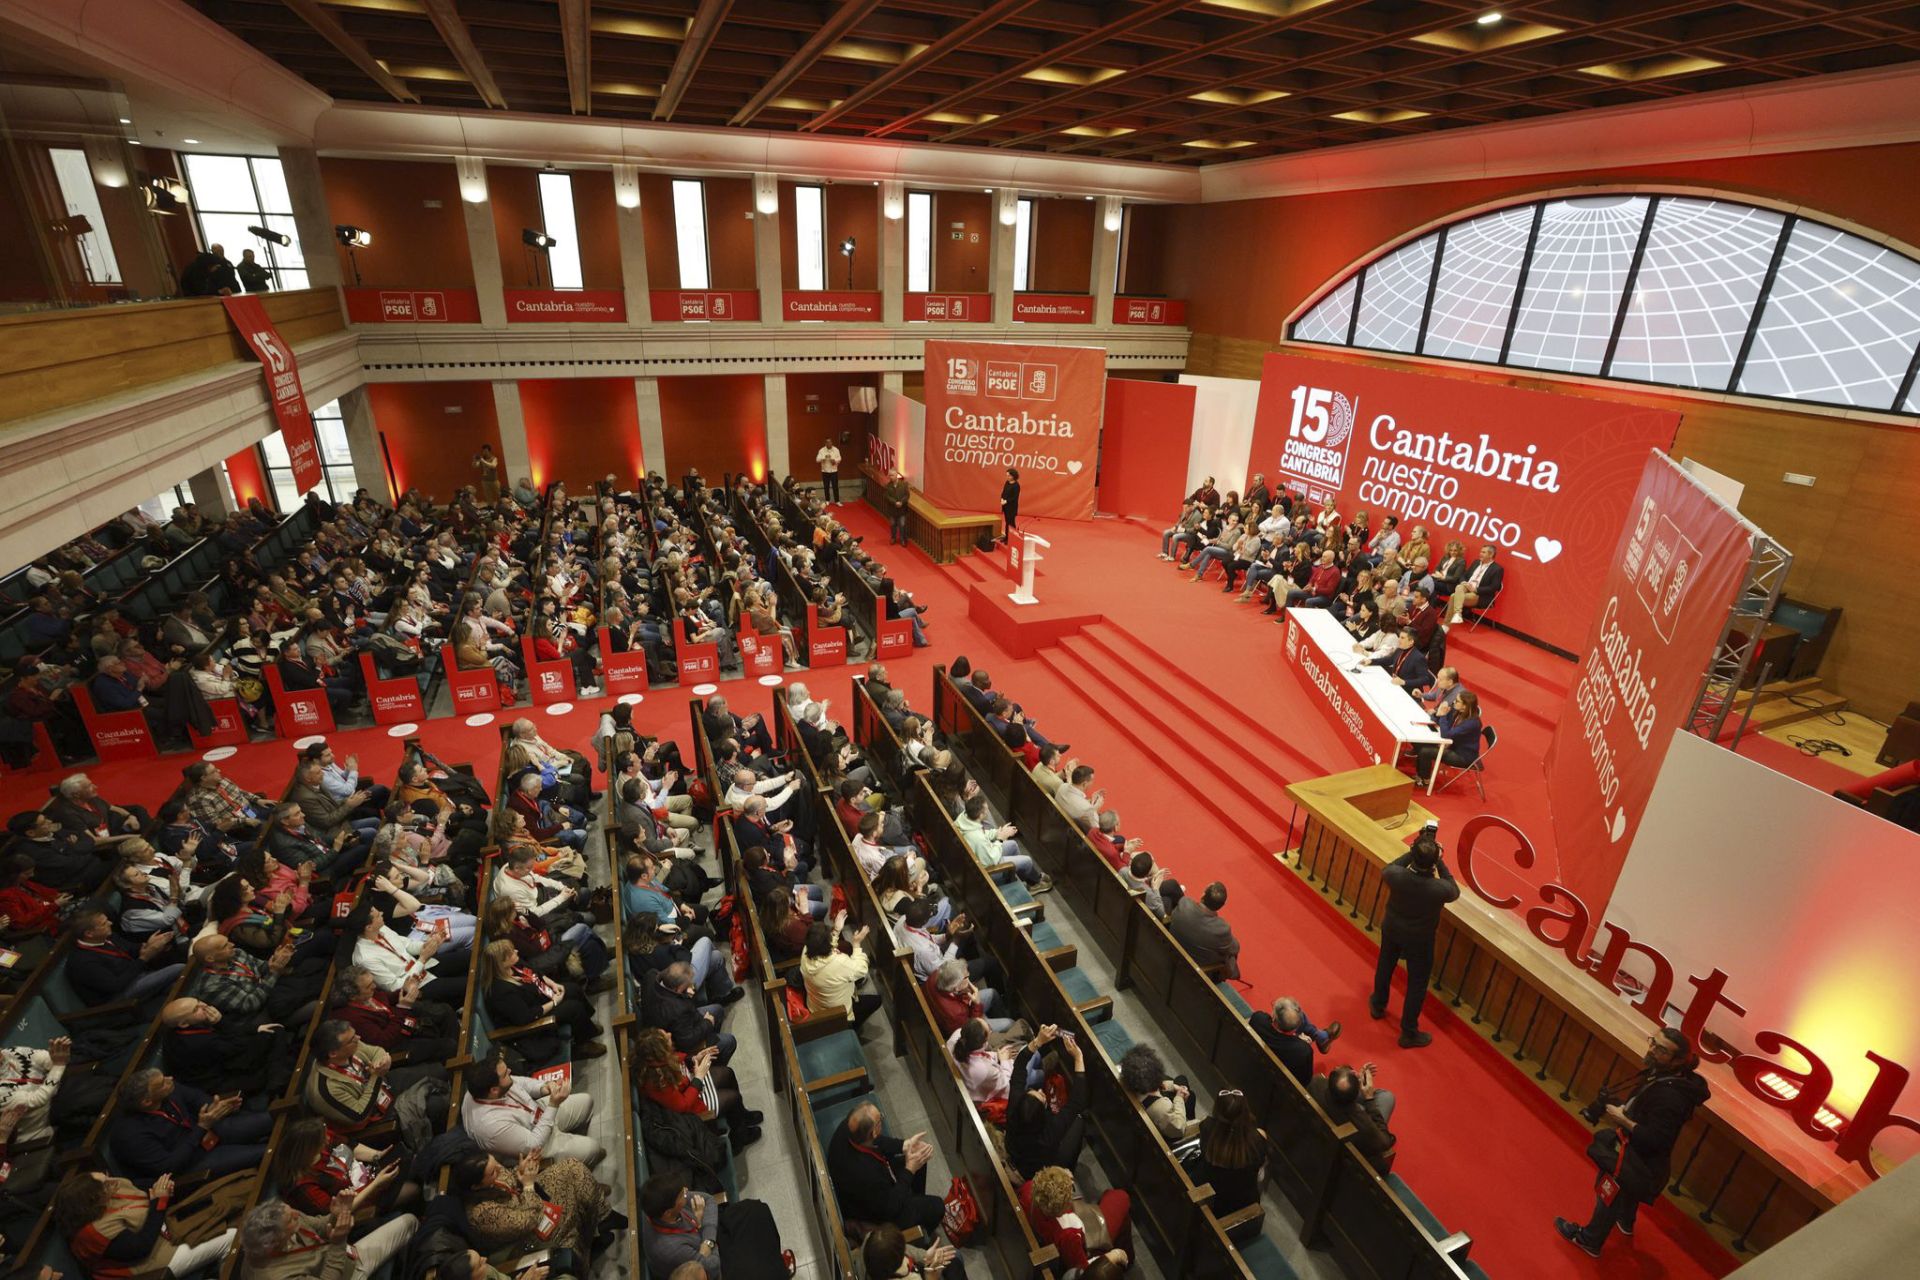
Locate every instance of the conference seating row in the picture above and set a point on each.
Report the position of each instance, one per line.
(1372, 1226)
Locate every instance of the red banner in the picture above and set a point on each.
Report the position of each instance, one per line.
(282, 372)
(1543, 479)
(1149, 311)
(1664, 595)
(1053, 308)
(828, 304)
(566, 306)
(969, 308)
(413, 306)
(668, 305)
(995, 406)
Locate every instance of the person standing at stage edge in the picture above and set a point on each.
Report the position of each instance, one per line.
(829, 460)
(1419, 887)
(1634, 1146)
(1010, 502)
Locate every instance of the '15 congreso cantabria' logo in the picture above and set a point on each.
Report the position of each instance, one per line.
(1318, 437)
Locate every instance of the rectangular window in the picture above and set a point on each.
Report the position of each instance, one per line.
(810, 235)
(77, 193)
(690, 232)
(556, 210)
(337, 482)
(231, 194)
(1023, 246)
(919, 242)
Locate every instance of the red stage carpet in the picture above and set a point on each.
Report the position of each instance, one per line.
(1176, 692)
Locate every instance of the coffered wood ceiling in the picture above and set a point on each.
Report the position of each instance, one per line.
(1170, 81)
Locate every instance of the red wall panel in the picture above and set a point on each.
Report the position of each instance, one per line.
(581, 429)
(513, 191)
(593, 215)
(656, 226)
(730, 233)
(1145, 437)
(244, 473)
(433, 429)
(717, 425)
(414, 246)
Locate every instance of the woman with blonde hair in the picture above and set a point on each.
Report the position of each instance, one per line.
(516, 996)
(1081, 1230)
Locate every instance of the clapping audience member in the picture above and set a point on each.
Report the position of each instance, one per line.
(833, 967)
(167, 1127)
(879, 1178)
(509, 1115)
(1080, 1229)
(1350, 1098)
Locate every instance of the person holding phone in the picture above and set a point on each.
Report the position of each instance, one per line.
(310, 1172)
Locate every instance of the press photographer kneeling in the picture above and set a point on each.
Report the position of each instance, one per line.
(1633, 1145)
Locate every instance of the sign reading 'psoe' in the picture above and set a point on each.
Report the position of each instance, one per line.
(953, 308)
(1663, 607)
(716, 305)
(994, 406)
(413, 306)
(1543, 479)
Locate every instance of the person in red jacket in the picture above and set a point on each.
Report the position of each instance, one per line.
(1080, 1230)
(29, 907)
(696, 1085)
(1323, 584)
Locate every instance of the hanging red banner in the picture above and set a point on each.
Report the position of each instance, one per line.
(282, 372)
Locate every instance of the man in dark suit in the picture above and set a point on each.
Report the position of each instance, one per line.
(1407, 664)
(877, 684)
(1348, 1097)
(106, 965)
(217, 1054)
(1197, 926)
(1419, 887)
(164, 1127)
(1479, 588)
(881, 1178)
(1293, 1048)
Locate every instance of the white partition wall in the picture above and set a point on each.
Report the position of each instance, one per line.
(1222, 431)
(1810, 905)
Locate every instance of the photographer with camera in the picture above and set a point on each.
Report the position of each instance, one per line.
(1633, 1147)
(1419, 887)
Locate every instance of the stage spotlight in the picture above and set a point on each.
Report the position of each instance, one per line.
(280, 238)
(847, 247)
(353, 237)
(537, 239)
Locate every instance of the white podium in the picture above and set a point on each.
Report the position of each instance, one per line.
(1027, 558)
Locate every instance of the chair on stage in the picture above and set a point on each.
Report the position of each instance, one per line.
(1477, 767)
(1482, 612)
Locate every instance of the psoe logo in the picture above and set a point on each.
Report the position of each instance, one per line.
(1004, 379)
(1318, 436)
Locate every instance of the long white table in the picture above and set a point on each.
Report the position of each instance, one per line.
(1375, 716)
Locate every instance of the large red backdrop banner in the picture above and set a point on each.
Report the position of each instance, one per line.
(284, 392)
(1146, 433)
(995, 405)
(1544, 479)
(1664, 598)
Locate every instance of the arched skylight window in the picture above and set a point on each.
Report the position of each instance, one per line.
(1676, 290)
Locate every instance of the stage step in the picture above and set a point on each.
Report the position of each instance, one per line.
(1545, 671)
(1188, 753)
(1146, 664)
(1774, 690)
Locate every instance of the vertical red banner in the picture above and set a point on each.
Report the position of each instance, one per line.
(1665, 594)
(995, 406)
(282, 372)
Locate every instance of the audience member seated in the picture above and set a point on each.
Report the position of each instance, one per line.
(77, 805)
(879, 1178)
(1233, 1153)
(166, 1127)
(1080, 1229)
(508, 1115)
(886, 1255)
(1074, 799)
(681, 1228)
(395, 960)
(411, 1029)
(278, 1242)
(693, 1084)
(1461, 728)
(310, 1172)
(29, 1079)
(220, 1055)
(1036, 1134)
(516, 996)
(784, 928)
(1349, 1097)
(991, 846)
(1144, 877)
(1200, 930)
(1167, 1100)
(533, 1203)
(114, 1228)
(833, 967)
(653, 945)
(352, 1085)
(1478, 589)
